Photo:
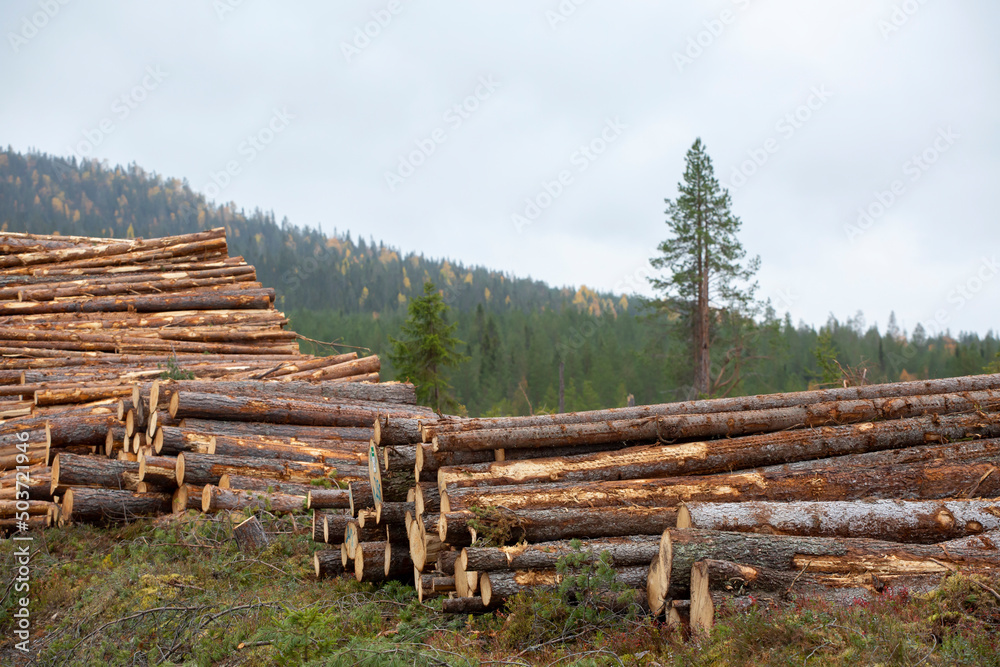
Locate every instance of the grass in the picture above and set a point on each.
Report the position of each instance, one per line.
(178, 591)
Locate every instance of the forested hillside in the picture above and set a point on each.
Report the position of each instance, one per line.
(516, 332)
(309, 269)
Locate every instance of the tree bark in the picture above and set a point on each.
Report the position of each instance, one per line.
(250, 536)
(370, 561)
(213, 300)
(427, 499)
(927, 481)
(268, 409)
(93, 505)
(399, 458)
(327, 563)
(729, 424)
(79, 429)
(501, 585)
(446, 562)
(347, 368)
(159, 471)
(473, 605)
(208, 469)
(624, 551)
(400, 430)
(261, 447)
(186, 497)
(214, 499)
(811, 554)
(320, 498)
(923, 522)
(397, 561)
(74, 470)
(172, 440)
(360, 496)
(392, 513)
(549, 525)
(716, 405)
(264, 485)
(276, 384)
(247, 429)
(728, 454)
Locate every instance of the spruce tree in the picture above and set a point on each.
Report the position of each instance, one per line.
(704, 258)
(427, 349)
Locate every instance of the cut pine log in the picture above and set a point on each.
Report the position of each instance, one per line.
(329, 499)
(172, 440)
(501, 585)
(274, 410)
(370, 560)
(728, 454)
(360, 496)
(809, 554)
(727, 424)
(159, 471)
(622, 551)
(74, 470)
(471, 605)
(98, 505)
(397, 561)
(702, 610)
(549, 525)
(245, 483)
(79, 430)
(208, 469)
(920, 481)
(327, 563)
(186, 497)
(250, 536)
(214, 499)
(911, 521)
(432, 428)
(739, 579)
(398, 393)
(303, 433)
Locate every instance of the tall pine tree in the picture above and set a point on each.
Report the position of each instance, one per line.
(704, 258)
(427, 349)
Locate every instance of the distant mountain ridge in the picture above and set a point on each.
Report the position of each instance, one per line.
(309, 269)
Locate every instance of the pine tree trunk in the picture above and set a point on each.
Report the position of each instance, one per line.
(927, 481)
(911, 521)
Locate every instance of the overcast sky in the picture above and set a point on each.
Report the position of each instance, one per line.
(541, 138)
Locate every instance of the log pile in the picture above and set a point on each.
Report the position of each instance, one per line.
(140, 377)
(143, 377)
(840, 491)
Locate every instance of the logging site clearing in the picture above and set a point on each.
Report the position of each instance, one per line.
(180, 485)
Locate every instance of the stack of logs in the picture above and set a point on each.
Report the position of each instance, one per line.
(824, 493)
(143, 377)
(94, 428)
